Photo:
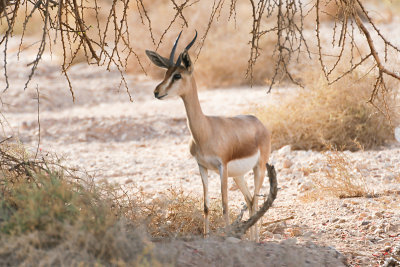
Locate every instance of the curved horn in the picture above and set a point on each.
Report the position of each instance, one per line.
(178, 62)
(192, 42)
(171, 56)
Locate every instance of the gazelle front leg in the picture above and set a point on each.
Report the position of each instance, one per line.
(223, 172)
(204, 179)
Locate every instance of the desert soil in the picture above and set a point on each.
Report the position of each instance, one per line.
(145, 143)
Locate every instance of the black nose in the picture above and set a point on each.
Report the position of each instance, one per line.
(156, 94)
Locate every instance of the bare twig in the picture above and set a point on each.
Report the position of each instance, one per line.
(38, 120)
(78, 35)
(278, 221)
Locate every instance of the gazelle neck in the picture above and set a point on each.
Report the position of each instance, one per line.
(197, 121)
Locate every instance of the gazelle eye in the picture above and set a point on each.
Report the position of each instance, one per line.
(177, 76)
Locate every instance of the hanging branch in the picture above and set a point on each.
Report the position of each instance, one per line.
(69, 24)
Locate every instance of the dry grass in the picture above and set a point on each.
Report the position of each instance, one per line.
(46, 217)
(51, 217)
(175, 214)
(337, 114)
(339, 178)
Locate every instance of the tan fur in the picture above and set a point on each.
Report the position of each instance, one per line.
(218, 140)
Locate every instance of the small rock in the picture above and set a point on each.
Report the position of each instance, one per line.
(378, 231)
(287, 164)
(333, 220)
(365, 222)
(233, 240)
(268, 234)
(277, 236)
(308, 234)
(372, 228)
(383, 241)
(305, 187)
(378, 214)
(285, 151)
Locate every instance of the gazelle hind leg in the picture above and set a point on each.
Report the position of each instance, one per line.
(204, 179)
(223, 171)
(241, 183)
(259, 174)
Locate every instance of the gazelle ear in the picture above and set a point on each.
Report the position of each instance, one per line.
(187, 63)
(157, 59)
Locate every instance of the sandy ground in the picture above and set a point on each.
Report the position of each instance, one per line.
(145, 142)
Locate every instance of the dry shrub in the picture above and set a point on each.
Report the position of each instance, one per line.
(49, 217)
(224, 57)
(337, 114)
(339, 178)
(37, 195)
(174, 214)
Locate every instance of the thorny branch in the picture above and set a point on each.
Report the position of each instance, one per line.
(351, 14)
(107, 41)
(289, 29)
(67, 21)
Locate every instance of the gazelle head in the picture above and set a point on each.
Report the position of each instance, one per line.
(178, 78)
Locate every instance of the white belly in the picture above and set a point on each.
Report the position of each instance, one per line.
(242, 166)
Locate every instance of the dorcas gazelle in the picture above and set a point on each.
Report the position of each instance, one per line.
(231, 146)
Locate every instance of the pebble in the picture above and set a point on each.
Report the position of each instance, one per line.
(378, 231)
(268, 234)
(277, 236)
(306, 186)
(333, 220)
(287, 164)
(308, 234)
(233, 240)
(285, 150)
